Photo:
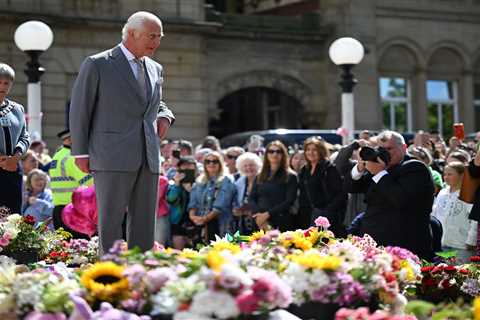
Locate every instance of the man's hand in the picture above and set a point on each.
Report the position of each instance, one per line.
(178, 178)
(83, 164)
(162, 127)
(375, 167)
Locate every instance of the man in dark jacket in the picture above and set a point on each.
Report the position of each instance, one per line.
(399, 197)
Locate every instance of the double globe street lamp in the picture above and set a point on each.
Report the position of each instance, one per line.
(33, 38)
(346, 53)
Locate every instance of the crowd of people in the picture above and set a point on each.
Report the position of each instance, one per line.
(402, 193)
(409, 198)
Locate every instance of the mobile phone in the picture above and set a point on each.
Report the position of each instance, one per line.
(189, 175)
(459, 131)
(176, 154)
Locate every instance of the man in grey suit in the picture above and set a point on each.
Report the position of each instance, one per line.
(116, 114)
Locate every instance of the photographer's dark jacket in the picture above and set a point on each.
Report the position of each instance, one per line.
(398, 206)
(324, 188)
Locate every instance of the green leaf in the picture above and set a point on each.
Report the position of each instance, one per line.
(447, 254)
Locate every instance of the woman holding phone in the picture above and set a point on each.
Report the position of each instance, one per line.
(178, 196)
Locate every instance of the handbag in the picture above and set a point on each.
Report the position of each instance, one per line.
(469, 187)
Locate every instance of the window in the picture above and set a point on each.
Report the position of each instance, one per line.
(396, 105)
(442, 106)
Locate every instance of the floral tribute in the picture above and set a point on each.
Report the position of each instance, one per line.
(237, 277)
(18, 233)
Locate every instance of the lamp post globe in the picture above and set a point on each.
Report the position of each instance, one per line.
(33, 38)
(346, 53)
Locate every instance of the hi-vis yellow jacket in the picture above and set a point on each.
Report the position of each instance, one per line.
(65, 177)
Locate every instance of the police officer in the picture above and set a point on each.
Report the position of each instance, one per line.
(65, 177)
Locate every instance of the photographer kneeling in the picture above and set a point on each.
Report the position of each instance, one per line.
(398, 193)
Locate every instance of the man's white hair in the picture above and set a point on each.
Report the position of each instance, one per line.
(386, 135)
(136, 21)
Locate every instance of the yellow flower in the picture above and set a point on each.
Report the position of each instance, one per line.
(215, 260)
(410, 274)
(188, 254)
(301, 243)
(256, 235)
(476, 309)
(105, 281)
(225, 245)
(313, 260)
(314, 236)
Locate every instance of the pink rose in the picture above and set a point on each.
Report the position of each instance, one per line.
(322, 222)
(7, 235)
(4, 242)
(247, 302)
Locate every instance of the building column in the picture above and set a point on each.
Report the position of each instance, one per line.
(466, 108)
(419, 101)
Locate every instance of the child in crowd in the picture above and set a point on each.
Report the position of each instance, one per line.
(459, 233)
(38, 201)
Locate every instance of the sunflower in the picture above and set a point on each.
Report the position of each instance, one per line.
(105, 281)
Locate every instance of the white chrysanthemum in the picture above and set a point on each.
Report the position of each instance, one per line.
(318, 278)
(351, 255)
(298, 279)
(189, 316)
(217, 303)
(14, 218)
(163, 303)
(232, 277)
(384, 261)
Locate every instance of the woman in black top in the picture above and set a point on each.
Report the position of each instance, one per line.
(274, 190)
(321, 188)
(14, 142)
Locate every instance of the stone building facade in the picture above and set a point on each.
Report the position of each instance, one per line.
(268, 66)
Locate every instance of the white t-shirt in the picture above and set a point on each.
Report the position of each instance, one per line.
(458, 230)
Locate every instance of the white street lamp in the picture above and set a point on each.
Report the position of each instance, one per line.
(34, 37)
(346, 53)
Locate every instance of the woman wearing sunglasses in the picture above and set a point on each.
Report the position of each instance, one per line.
(211, 199)
(274, 190)
(321, 188)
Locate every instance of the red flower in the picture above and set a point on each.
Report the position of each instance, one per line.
(29, 219)
(464, 271)
(437, 269)
(429, 282)
(390, 277)
(475, 259)
(427, 269)
(450, 268)
(445, 284)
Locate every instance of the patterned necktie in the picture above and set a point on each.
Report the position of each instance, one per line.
(141, 76)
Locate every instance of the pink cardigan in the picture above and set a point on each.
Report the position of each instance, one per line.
(162, 206)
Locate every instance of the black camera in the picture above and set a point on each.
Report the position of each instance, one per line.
(372, 154)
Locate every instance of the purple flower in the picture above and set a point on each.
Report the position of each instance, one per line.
(264, 240)
(135, 274)
(471, 287)
(157, 278)
(402, 253)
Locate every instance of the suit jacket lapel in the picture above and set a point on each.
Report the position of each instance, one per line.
(123, 67)
(152, 78)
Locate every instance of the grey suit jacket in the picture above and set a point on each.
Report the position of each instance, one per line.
(110, 120)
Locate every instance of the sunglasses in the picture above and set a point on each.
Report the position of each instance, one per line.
(212, 162)
(272, 151)
(230, 156)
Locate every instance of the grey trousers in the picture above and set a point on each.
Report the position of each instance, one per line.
(135, 192)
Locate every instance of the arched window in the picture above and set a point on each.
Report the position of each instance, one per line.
(444, 70)
(255, 108)
(397, 67)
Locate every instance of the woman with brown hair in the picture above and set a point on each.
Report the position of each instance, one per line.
(321, 188)
(274, 190)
